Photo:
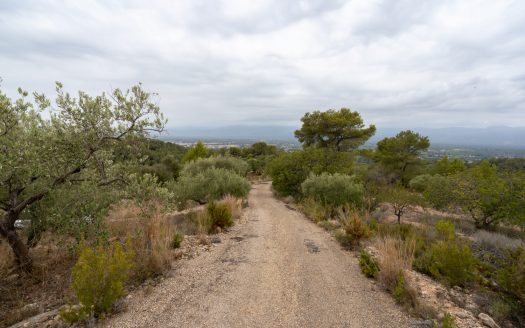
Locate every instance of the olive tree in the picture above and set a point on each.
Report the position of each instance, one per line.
(45, 146)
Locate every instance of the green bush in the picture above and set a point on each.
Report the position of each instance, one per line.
(448, 321)
(314, 210)
(511, 276)
(368, 265)
(333, 190)
(212, 184)
(420, 182)
(449, 262)
(99, 276)
(201, 165)
(220, 215)
(177, 240)
(289, 170)
(446, 230)
(344, 239)
(439, 191)
(405, 294)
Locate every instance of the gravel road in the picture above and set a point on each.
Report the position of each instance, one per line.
(275, 269)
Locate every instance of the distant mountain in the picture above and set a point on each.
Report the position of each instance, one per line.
(235, 132)
(506, 137)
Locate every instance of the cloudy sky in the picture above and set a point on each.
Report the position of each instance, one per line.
(412, 63)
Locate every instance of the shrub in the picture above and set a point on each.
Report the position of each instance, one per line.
(344, 239)
(333, 190)
(289, 170)
(177, 240)
(446, 230)
(395, 256)
(368, 265)
(354, 226)
(404, 293)
(439, 191)
(449, 262)
(314, 210)
(200, 165)
(511, 277)
(448, 321)
(220, 215)
(212, 184)
(99, 276)
(327, 225)
(495, 242)
(420, 182)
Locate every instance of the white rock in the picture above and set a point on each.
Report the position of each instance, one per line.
(488, 321)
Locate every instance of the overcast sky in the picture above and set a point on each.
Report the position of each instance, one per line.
(399, 63)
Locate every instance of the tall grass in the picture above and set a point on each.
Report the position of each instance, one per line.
(395, 257)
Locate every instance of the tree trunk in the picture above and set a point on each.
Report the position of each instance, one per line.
(7, 231)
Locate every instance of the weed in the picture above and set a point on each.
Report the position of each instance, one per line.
(368, 265)
(220, 215)
(177, 239)
(98, 279)
(448, 321)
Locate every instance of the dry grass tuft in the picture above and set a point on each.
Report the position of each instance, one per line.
(395, 256)
(150, 235)
(234, 204)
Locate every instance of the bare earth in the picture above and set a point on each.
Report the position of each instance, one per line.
(277, 269)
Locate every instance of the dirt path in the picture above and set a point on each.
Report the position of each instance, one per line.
(277, 269)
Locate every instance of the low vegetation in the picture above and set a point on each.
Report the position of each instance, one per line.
(360, 195)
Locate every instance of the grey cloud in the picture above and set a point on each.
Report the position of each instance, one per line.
(400, 63)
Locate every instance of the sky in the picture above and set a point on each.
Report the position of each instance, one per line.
(406, 63)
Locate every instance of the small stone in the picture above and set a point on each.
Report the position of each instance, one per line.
(462, 314)
(216, 240)
(488, 321)
(421, 323)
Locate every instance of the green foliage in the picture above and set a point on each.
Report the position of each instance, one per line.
(99, 276)
(314, 210)
(400, 154)
(177, 240)
(446, 230)
(289, 170)
(369, 266)
(195, 152)
(73, 211)
(439, 191)
(340, 130)
(333, 190)
(74, 313)
(511, 276)
(212, 184)
(146, 189)
(447, 167)
(488, 196)
(67, 144)
(420, 182)
(404, 294)
(344, 239)
(220, 215)
(448, 261)
(448, 321)
(200, 165)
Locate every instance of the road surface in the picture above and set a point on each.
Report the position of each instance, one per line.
(276, 269)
